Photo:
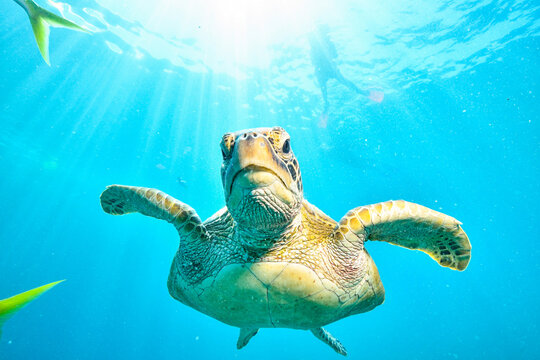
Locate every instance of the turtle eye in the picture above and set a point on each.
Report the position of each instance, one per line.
(227, 145)
(286, 146)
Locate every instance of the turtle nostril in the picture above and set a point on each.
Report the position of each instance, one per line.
(254, 135)
(245, 135)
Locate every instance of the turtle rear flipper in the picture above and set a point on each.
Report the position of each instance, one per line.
(412, 226)
(327, 338)
(120, 200)
(245, 335)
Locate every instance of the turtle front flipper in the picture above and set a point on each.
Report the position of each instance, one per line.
(412, 226)
(120, 200)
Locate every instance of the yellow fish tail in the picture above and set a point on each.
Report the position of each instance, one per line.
(9, 306)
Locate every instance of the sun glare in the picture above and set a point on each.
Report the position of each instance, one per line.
(239, 31)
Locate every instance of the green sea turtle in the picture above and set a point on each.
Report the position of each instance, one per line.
(271, 259)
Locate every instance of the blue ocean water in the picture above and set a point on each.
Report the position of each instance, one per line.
(451, 122)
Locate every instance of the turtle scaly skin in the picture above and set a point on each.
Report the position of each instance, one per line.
(271, 259)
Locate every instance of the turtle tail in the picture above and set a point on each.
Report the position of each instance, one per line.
(9, 306)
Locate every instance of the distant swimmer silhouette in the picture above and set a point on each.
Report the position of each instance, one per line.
(323, 53)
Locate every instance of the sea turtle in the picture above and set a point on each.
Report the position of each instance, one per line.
(271, 259)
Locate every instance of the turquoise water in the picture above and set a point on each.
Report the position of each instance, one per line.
(447, 117)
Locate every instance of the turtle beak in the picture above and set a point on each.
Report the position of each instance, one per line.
(253, 164)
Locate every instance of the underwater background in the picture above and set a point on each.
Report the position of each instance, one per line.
(451, 122)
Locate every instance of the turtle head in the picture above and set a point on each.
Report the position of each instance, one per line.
(261, 178)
